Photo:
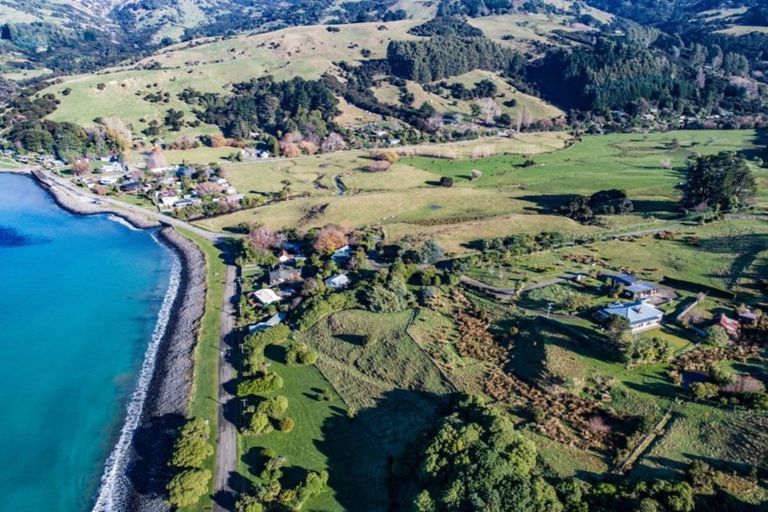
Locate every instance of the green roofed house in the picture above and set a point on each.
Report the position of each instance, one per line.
(641, 315)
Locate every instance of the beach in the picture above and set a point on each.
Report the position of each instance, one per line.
(135, 476)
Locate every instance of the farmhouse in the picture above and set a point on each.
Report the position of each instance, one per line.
(337, 282)
(266, 296)
(284, 275)
(730, 325)
(634, 288)
(641, 315)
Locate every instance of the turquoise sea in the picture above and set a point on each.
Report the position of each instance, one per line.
(79, 301)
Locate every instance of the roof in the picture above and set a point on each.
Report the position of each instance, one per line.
(635, 312)
(729, 324)
(285, 274)
(342, 253)
(266, 296)
(626, 279)
(337, 281)
(640, 287)
(262, 326)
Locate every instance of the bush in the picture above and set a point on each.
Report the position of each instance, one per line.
(259, 424)
(267, 383)
(186, 488)
(273, 407)
(286, 424)
(446, 181)
(317, 308)
(704, 390)
(301, 354)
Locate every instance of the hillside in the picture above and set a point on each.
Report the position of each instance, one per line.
(214, 64)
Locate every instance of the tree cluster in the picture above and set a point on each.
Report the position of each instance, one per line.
(192, 448)
(262, 104)
(444, 56)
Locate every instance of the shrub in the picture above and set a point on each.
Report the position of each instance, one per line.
(259, 424)
(269, 382)
(446, 181)
(247, 503)
(704, 390)
(301, 354)
(186, 488)
(476, 174)
(273, 407)
(286, 424)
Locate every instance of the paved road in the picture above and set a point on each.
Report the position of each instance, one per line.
(226, 454)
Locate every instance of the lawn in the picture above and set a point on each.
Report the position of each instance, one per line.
(508, 198)
(631, 162)
(205, 392)
(382, 395)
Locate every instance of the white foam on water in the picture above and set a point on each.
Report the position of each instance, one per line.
(114, 487)
(123, 222)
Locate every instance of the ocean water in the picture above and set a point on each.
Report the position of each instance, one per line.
(80, 298)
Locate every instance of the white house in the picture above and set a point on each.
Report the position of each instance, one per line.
(640, 315)
(266, 296)
(337, 282)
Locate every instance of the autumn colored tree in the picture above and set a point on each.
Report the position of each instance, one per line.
(330, 238)
(80, 166)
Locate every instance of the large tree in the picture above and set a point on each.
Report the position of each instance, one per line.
(720, 181)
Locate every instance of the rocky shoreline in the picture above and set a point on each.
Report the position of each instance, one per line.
(170, 388)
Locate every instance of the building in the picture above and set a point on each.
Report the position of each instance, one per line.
(640, 315)
(337, 282)
(634, 288)
(284, 275)
(263, 326)
(266, 296)
(730, 325)
(133, 186)
(747, 317)
(341, 254)
(640, 290)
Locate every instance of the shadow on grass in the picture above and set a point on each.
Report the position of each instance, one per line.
(360, 450)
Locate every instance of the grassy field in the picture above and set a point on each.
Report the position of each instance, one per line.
(627, 161)
(536, 107)
(507, 198)
(728, 255)
(381, 395)
(205, 392)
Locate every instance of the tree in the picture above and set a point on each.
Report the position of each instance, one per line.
(330, 238)
(474, 459)
(186, 488)
(333, 142)
(263, 238)
(720, 181)
(704, 390)
(80, 166)
(192, 446)
(446, 181)
(717, 336)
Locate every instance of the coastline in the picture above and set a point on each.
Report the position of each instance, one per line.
(166, 400)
